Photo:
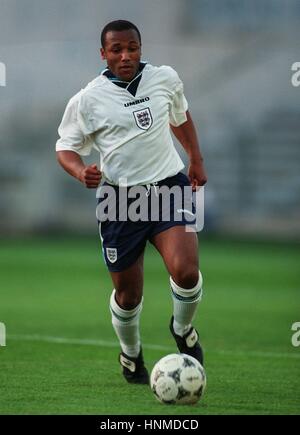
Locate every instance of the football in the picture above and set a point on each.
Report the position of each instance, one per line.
(178, 379)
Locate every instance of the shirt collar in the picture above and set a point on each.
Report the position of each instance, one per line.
(130, 86)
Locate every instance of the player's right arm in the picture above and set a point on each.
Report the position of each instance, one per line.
(73, 144)
(72, 163)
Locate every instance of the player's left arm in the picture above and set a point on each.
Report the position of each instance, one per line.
(186, 134)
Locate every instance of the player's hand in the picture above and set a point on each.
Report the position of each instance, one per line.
(197, 174)
(90, 176)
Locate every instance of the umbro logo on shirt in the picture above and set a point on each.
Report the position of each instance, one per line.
(133, 103)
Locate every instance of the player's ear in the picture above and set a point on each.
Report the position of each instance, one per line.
(102, 52)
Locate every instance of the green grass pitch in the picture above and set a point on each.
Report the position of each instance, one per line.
(61, 352)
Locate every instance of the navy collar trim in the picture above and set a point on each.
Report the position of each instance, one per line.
(131, 86)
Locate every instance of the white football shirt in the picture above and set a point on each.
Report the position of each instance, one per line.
(131, 133)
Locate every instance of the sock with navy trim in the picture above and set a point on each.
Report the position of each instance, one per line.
(126, 326)
(185, 303)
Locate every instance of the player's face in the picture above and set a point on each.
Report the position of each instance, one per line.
(122, 52)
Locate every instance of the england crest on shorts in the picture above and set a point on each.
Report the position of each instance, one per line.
(112, 254)
(143, 118)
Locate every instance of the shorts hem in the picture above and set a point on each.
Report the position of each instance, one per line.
(167, 227)
(122, 267)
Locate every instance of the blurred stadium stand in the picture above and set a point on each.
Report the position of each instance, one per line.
(235, 59)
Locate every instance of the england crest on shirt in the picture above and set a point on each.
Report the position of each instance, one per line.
(143, 118)
(112, 254)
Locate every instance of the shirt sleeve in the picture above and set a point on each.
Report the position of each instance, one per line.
(71, 136)
(179, 104)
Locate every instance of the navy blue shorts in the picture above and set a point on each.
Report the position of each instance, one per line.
(123, 236)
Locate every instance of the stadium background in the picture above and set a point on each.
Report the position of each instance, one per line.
(235, 59)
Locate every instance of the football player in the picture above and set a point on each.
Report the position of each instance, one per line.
(127, 114)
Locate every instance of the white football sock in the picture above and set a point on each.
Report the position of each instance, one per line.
(185, 302)
(126, 326)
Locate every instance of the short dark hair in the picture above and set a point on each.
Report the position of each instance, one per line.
(118, 26)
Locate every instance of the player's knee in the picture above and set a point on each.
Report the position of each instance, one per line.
(128, 301)
(186, 277)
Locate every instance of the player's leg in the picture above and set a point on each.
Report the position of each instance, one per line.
(123, 245)
(179, 250)
(126, 306)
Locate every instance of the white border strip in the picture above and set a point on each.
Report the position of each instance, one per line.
(115, 344)
(77, 341)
